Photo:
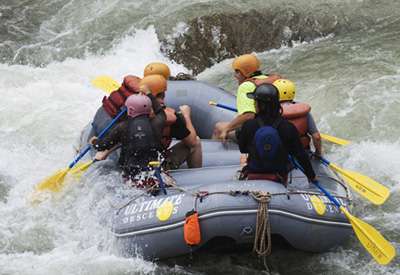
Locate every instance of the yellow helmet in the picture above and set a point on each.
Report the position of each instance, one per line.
(155, 83)
(246, 64)
(286, 88)
(157, 68)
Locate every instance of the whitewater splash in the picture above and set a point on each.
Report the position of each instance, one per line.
(41, 116)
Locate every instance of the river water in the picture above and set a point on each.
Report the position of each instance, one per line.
(49, 52)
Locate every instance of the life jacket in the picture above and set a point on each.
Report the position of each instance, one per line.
(166, 137)
(267, 151)
(113, 103)
(297, 113)
(140, 146)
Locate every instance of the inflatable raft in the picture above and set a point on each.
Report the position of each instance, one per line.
(227, 207)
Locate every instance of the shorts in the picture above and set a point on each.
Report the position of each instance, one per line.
(176, 156)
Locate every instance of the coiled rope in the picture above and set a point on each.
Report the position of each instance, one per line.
(262, 238)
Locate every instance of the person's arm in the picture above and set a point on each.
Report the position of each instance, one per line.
(102, 155)
(291, 139)
(110, 140)
(315, 135)
(316, 138)
(191, 139)
(238, 121)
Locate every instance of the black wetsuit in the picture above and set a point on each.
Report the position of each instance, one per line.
(289, 138)
(139, 143)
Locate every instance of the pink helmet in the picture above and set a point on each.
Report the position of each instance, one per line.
(138, 104)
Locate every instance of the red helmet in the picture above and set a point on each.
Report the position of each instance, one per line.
(138, 104)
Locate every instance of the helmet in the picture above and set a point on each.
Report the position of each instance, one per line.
(246, 64)
(286, 88)
(267, 98)
(157, 68)
(265, 93)
(138, 104)
(156, 83)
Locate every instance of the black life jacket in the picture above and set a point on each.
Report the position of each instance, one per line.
(140, 147)
(267, 152)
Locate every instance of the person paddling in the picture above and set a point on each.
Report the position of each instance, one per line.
(178, 124)
(139, 144)
(299, 114)
(269, 139)
(248, 74)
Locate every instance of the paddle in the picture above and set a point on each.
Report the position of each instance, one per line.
(380, 249)
(335, 140)
(105, 83)
(329, 138)
(365, 186)
(55, 182)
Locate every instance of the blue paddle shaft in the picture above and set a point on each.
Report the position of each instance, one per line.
(324, 161)
(101, 135)
(160, 180)
(330, 197)
(226, 107)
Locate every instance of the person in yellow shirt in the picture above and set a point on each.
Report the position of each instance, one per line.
(248, 74)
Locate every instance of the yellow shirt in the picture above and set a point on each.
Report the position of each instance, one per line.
(243, 103)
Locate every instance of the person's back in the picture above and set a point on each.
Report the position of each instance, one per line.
(139, 143)
(269, 138)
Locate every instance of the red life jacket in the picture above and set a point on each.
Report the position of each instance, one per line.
(297, 113)
(166, 138)
(113, 103)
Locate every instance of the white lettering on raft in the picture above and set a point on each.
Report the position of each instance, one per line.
(146, 210)
(330, 207)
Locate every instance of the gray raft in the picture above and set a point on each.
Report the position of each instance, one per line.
(226, 207)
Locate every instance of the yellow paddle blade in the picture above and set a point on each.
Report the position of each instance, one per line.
(319, 205)
(105, 83)
(53, 183)
(365, 186)
(79, 169)
(336, 140)
(382, 250)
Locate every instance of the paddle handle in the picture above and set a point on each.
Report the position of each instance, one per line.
(101, 135)
(223, 106)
